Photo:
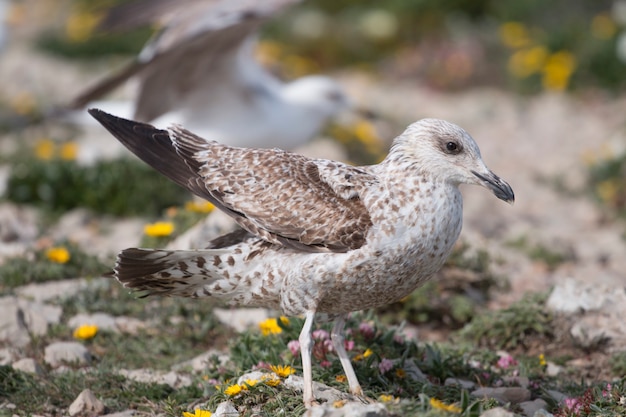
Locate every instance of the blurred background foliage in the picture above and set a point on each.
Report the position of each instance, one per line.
(527, 46)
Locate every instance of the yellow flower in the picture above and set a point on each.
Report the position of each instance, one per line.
(199, 207)
(368, 352)
(58, 254)
(159, 229)
(197, 413)
(270, 380)
(282, 371)
(86, 331)
(339, 403)
(269, 52)
(386, 398)
(233, 390)
(557, 70)
(251, 382)
(400, 373)
(440, 405)
(542, 360)
(44, 149)
(603, 27)
(270, 326)
(80, 26)
(341, 378)
(514, 35)
(361, 356)
(68, 151)
(526, 62)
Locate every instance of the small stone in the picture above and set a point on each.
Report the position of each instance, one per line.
(513, 395)
(126, 413)
(7, 356)
(530, 408)
(28, 365)
(497, 412)
(460, 382)
(129, 325)
(226, 409)
(553, 369)
(543, 413)
(199, 363)
(59, 289)
(171, 378)
(241, 319)
(556, 395)
(86, 403)
(520, 381)
(57, 353)
(102, 320)
(254, 375)
(321, 391)
(350, 409)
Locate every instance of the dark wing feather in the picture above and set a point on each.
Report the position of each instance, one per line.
(281, 197)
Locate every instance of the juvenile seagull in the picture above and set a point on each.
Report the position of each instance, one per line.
(318, 236)
(200, 71)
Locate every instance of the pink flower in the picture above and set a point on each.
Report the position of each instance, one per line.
(607, 392)
(385, 366)
(348, 344)
(573, 405)
(325, 364)
(320, 334)
(506, 361)
(328, 345)
(294, 347)
(367, 330)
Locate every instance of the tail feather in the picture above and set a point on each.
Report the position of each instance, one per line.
(166, 272)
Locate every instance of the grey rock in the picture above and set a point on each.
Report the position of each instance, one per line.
(199, 363)
(504, 395)
(86, 403)
(557, 395)
(521, 381)
(18, 225)
(497, 412)
(320, 391)
(553, 369)
(254, 375)
(28, 365)
(571, 296)
(129, 325)
(171, 378)
(350, 409)
(241, 319)
(226, 409)
(530, 408)
(102, 320)
(60, 289)
(7, 355)
(58, 353)
(460, 382)
(126, 413)
(543, 413)
(23, 318)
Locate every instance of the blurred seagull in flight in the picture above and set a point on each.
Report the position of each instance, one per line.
(199, 71)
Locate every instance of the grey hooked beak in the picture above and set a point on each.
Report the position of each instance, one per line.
(500, 188)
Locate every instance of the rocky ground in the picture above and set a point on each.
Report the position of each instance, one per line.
(542, 145)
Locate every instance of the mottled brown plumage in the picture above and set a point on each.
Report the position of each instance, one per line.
(321, 236)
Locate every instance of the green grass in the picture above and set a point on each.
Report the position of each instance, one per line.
(541, 253)
(121, 187)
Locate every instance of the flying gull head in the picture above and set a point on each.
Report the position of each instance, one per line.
(450, 154)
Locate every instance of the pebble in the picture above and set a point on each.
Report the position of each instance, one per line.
(504, 395)
(321, 391)
(86, 404)
(126, 413)
(171, 378)
(199, 363)
(102, 320)
(21, 319)
(530, 408)
(58, 353)
(497, 412)
(460, 382)
(28, 365)
(7, 355)
(350, 409)
(241, 319)
(62, 289)
(226, 409)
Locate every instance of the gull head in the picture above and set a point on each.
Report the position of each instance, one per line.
(318, 95)
(448, 152)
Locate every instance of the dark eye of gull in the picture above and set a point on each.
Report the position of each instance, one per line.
(452, 148)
